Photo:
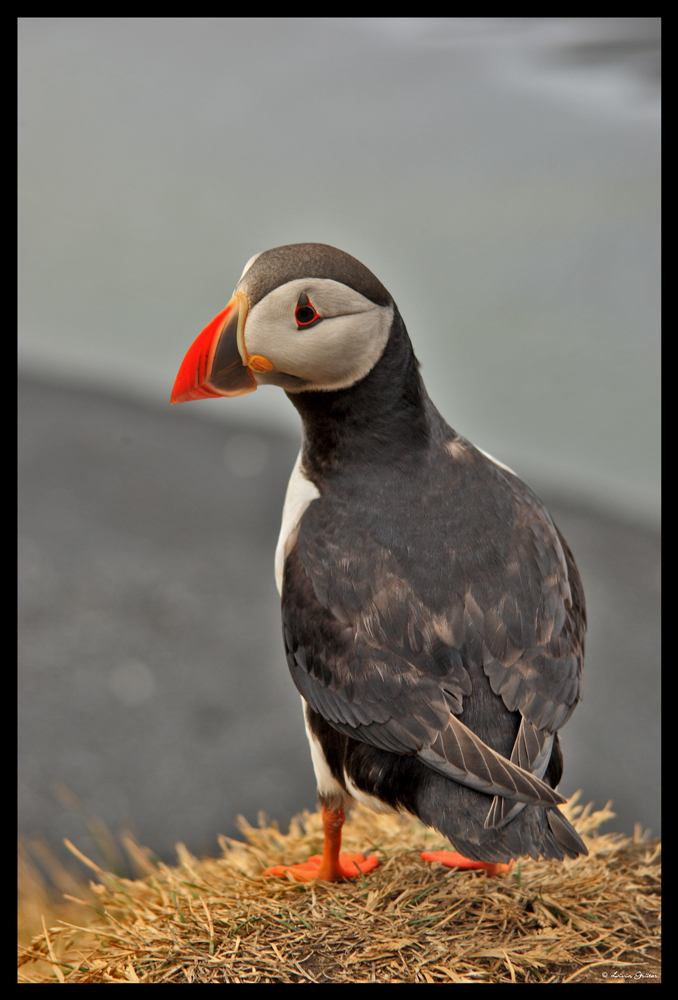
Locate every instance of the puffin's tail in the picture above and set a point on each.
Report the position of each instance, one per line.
(566, 837)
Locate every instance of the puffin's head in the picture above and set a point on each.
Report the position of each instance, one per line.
(304, 316)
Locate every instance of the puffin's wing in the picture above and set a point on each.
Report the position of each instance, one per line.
(529, 627)
(380, 667)
(381, 623)
(532, 752)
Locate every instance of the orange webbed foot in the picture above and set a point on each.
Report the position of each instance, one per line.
(344, 867)
(330, 865)
(451, 859)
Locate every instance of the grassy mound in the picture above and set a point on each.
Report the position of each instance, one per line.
(594, 919)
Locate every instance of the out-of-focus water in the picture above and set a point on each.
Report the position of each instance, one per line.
(499, 175)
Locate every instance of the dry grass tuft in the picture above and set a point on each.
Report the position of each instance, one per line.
(219, 920)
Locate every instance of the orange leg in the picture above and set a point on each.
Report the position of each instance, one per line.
(330, 865)
(453, 860)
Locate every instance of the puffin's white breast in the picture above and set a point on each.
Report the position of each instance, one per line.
(300, 493)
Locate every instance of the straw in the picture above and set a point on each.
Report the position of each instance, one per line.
(594, 919)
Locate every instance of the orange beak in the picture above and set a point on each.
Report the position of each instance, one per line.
(216, 363)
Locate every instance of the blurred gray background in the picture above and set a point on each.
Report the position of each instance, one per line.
(501, 177)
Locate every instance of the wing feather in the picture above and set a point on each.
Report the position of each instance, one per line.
(388, 616)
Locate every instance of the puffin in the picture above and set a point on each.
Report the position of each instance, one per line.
(433, 616)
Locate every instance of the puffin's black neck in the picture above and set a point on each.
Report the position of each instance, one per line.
(382, 420)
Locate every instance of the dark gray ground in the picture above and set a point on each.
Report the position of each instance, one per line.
(152, 680)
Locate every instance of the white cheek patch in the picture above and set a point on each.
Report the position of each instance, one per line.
(333, 354)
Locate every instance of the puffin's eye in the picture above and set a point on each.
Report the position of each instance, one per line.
(305, 313)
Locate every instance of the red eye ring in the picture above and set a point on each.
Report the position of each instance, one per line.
(306, 313)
